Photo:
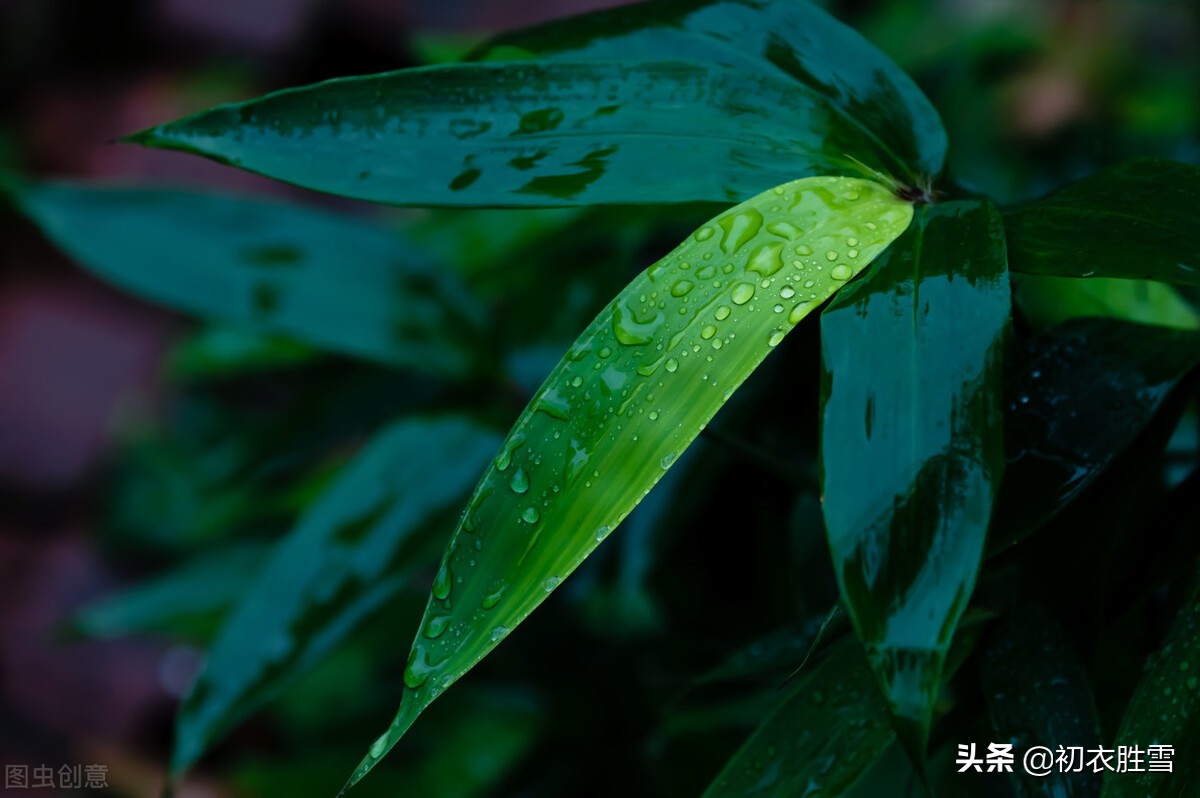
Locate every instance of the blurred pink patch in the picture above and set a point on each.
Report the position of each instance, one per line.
(73, 357)
(262, 25)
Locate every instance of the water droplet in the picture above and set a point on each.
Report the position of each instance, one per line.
(831, 255)
(520, 481)
(531, 515)
(852, 241)
(841, 272)
(602, 532)
(632, 329)
(499, 632)
(442, 582)
(739, 228)
(653, 415)
(742, 293)
(379, 746)
(708, 332)
(776, 338)
(493, 598)
(803, 249)
(787, 292)
(853, 253)
(766, 259)
(552, 583)
(722, 313)
(604, 352)
(672, 364)
(577, 382)
(668, 459)
(716, 344)
(416, 673)
(681, 288)
(435, 626)
(784, 230)
(809, 283)
(703, 234)
(798, 313)
(505, 456)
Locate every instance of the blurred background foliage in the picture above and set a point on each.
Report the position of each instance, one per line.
(149, 461)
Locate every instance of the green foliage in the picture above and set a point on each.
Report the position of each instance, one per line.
(950, 445)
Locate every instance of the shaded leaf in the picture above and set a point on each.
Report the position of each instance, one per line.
(330, 281)
(350, 552)
(912, 446)
(184, 600)
(1165, 710)
(1135, 220)
(1038, 694)
(1082, 393)
(218, 351)
(780, 38)
(632, 393)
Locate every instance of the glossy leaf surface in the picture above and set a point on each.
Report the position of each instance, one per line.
(912, 446)
(1165, 710)
(1082, 393)
(351, 551)
(1135, 220)
(1038, 694)
(631, 394)
(330, 281)
(1045, 301)
(531, 134)
(779, 38)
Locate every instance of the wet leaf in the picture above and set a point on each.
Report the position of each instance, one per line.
(1135, 220)
(351, 551)
(820, 739)
(1038, 694)
(1165, 710)
(1046, 301)
(912, 446)
(330, 281)
(780, 38)
(632, 393)
(1082, 392)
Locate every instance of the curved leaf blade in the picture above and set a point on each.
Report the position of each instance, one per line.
(780, 38)
(351, 551)
(911, 444)
(1038, 694)
(1165, 710)
(1045, 301)
(1134, 220)
(530, 134)
(329, 281)
(1084, 391)
(631, 394)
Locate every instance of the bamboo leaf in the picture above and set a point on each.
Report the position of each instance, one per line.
(779, 38)
(1135, 220)
(911, 444)
(350, 552)
(1165, 710)
(330, 281)
(632, 393)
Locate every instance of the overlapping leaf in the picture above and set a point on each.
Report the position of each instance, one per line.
(795, 40)
(330, 281)
(1135, 220)
(636, 388)
(351, 551)
(1083, 392)
(912, 447)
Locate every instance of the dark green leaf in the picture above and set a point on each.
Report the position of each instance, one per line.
(533, 134)
(1046, 301)
(1165, 710)
(330, 281)
(349, 553)
(912, 446)
(1038, 694)
(781, 38)
(634, 391)
(1134, 220)
(182, 601)
(219, 351)
(820, 739)
(1082, 392)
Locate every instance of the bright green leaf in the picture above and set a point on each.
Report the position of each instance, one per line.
(350, 552)
(1136, 220)
(911, 444)
(1165, 710)
(780, 38)
(1046, 301)
(331, 281)
(632, 393)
